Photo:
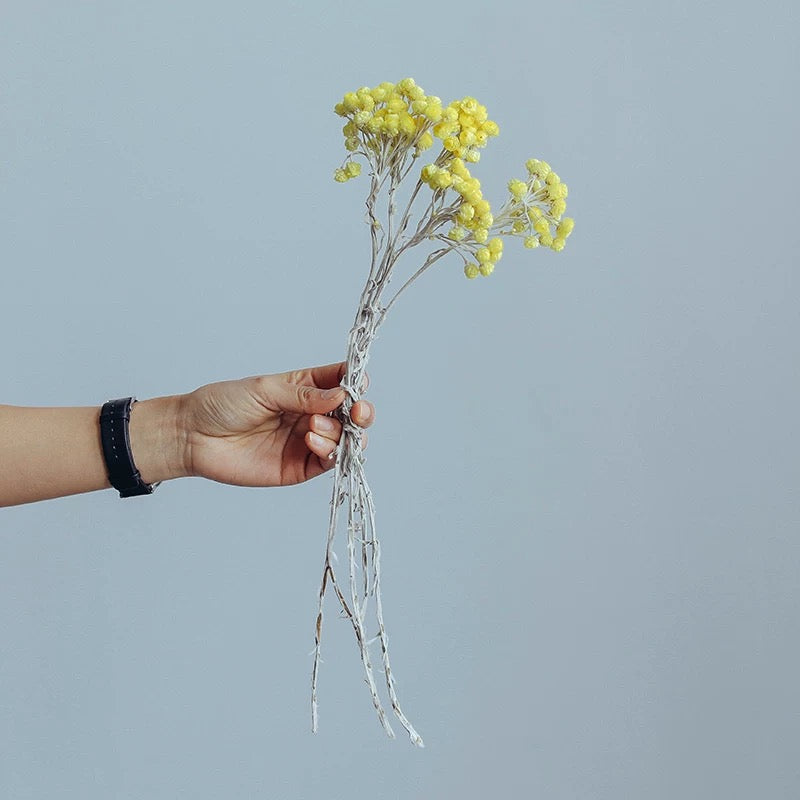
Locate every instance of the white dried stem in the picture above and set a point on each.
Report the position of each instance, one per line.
(349, 481)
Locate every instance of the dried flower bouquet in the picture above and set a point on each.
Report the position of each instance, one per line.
(389, 127)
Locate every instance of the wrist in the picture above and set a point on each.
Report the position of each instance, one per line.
(158, 438)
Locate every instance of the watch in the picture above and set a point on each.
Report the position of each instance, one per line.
(115, 417)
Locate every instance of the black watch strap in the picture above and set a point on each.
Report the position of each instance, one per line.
(115, 437)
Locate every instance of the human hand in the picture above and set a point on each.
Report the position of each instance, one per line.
(267, 430)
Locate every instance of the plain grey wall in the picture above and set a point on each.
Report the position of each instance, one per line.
(591, 583)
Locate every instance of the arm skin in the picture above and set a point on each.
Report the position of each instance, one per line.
(267, 430)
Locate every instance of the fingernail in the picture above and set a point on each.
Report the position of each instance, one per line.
(316, 440)
(323, 423)
(329, 394)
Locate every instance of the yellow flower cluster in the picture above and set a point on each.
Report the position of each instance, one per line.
(387, 117)
(537, 206)
(465, 126)
(387, 122)
(486, 257)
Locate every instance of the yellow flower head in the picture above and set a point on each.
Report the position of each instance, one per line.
(518, 189)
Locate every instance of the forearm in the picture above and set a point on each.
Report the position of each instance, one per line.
(53, 452)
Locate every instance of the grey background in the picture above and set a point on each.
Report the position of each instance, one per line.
(585, 467)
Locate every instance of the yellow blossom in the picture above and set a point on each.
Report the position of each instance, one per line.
(486, 268)
(557, 244)
(425, 141)
(456, 233)
(534, 213)
(565, 227)
(471, 271)
(531, 242)
(518, 189)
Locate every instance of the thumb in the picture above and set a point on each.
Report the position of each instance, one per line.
(310, 400)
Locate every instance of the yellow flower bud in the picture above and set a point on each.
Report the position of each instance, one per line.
(531, 242)
(551, 178)
(471, 271)
(534, 213)
(442, 179)
(433, 111)
(351, 143)
(496, 247)
(558, 244)
(406, 85)
(473, 156)
(518, 227)
(396, 104)
(467, 137)
(451, 144)
(557, 208)
(482, 207)
(457, 168)
(490, 128)
(486, 268)
(425, 141)
(456, 233)
(340, 176)
(352, 169)
(546, 239)
(340, 109)
(360, 119)
(407, 124)
(442, 130)
(518, 189)
(350, 101)
(565, 227)
(481, 235)
(541, 225)
(483, 254)
(465, 213)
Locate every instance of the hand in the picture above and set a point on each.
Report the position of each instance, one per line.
(268, 430)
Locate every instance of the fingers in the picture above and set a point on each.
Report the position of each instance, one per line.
(324, 432)
(363, 413)
(328, 376)
(324, 449)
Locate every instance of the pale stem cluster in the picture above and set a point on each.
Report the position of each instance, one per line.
(349, 481)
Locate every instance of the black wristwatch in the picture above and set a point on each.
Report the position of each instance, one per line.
(115, 437)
